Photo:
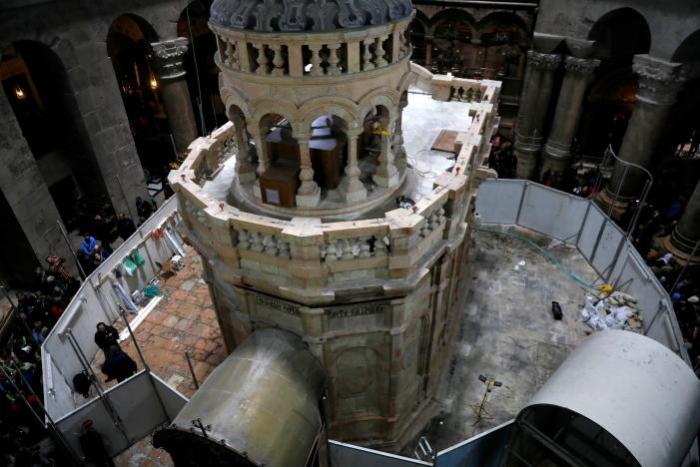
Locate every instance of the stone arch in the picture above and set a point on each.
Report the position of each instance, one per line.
(621, 34)
(232, 97)
(418, 29)
(128, 45)
(200, 64)
(406, 81)
(134, 27)
(454, 15)
(688, 50)
(503, 17)
(265, 107)
(384, 98)
(340, 107)
(41, 92)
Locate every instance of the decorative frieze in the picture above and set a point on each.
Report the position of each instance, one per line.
(542, 61)
(580, 66)
(169, 58)
(659, 81)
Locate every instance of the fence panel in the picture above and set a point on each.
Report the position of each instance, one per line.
(552, 213)
(605, 255)
(498, 201)
(172, 400)
(347, 455)
(138, 408)
(589, 236)
(486, 450)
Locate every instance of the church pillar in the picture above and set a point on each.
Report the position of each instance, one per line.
(356, 191)
(659, 83)
(566, 117)
(387, 175)
(429, 52)
(244, 166)
(169, 59)
(309, 193)
(263, 158)
(534, 104)
(686, 235)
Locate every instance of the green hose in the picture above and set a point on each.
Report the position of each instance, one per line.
(544, 253)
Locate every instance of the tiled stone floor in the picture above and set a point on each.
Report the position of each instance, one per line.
(508, 333)
(183, 321)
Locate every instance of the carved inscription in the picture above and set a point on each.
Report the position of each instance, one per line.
(278, 305)
(357, 310)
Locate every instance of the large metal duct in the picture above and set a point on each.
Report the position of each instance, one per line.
(620, 399)
(259, 407)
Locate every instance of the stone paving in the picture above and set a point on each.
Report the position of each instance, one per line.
(184, 321)
(508, 333)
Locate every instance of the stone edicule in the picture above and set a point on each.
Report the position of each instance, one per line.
(374, 299)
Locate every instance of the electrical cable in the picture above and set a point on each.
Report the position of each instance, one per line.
(578, 280)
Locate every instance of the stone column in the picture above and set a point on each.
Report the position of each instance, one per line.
(387, 175)
(263, 159)
(169, 58)
(534, 103)
(355, 191)
(309, 193)
(659, 83)
(27, 195)
(428, 52)
(687, 232)
(244, 166)
(566, 117)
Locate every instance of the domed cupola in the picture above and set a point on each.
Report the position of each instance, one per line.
(307, 15)
(315, 90)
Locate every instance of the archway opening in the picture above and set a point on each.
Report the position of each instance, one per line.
(620, 35)
(452, 50)
(329, 151)
(128, 46)
(280, 181)
(608, 108)
(202, 71)
(375, 141)
(37, 86)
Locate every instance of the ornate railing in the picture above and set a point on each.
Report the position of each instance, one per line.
(314, 255)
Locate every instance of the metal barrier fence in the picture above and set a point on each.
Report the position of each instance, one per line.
(133, 408)
(485, 450)
(348, 455)
(581, 223)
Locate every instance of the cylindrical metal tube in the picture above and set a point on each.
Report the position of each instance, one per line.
(259, 407)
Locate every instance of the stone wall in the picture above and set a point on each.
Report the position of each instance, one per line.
(76, 30)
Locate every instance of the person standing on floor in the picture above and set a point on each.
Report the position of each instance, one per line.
(118, 365)
(106, 337)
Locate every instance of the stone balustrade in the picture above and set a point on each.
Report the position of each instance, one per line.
(304, 254)
(312, 55)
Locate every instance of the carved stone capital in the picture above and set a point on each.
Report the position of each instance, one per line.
(543, 61)
(659, 81)
(169, 58)
(580, 66)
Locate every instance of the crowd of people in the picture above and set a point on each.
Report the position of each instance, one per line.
(24, 440)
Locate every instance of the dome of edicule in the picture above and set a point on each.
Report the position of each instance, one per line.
(307, 15)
